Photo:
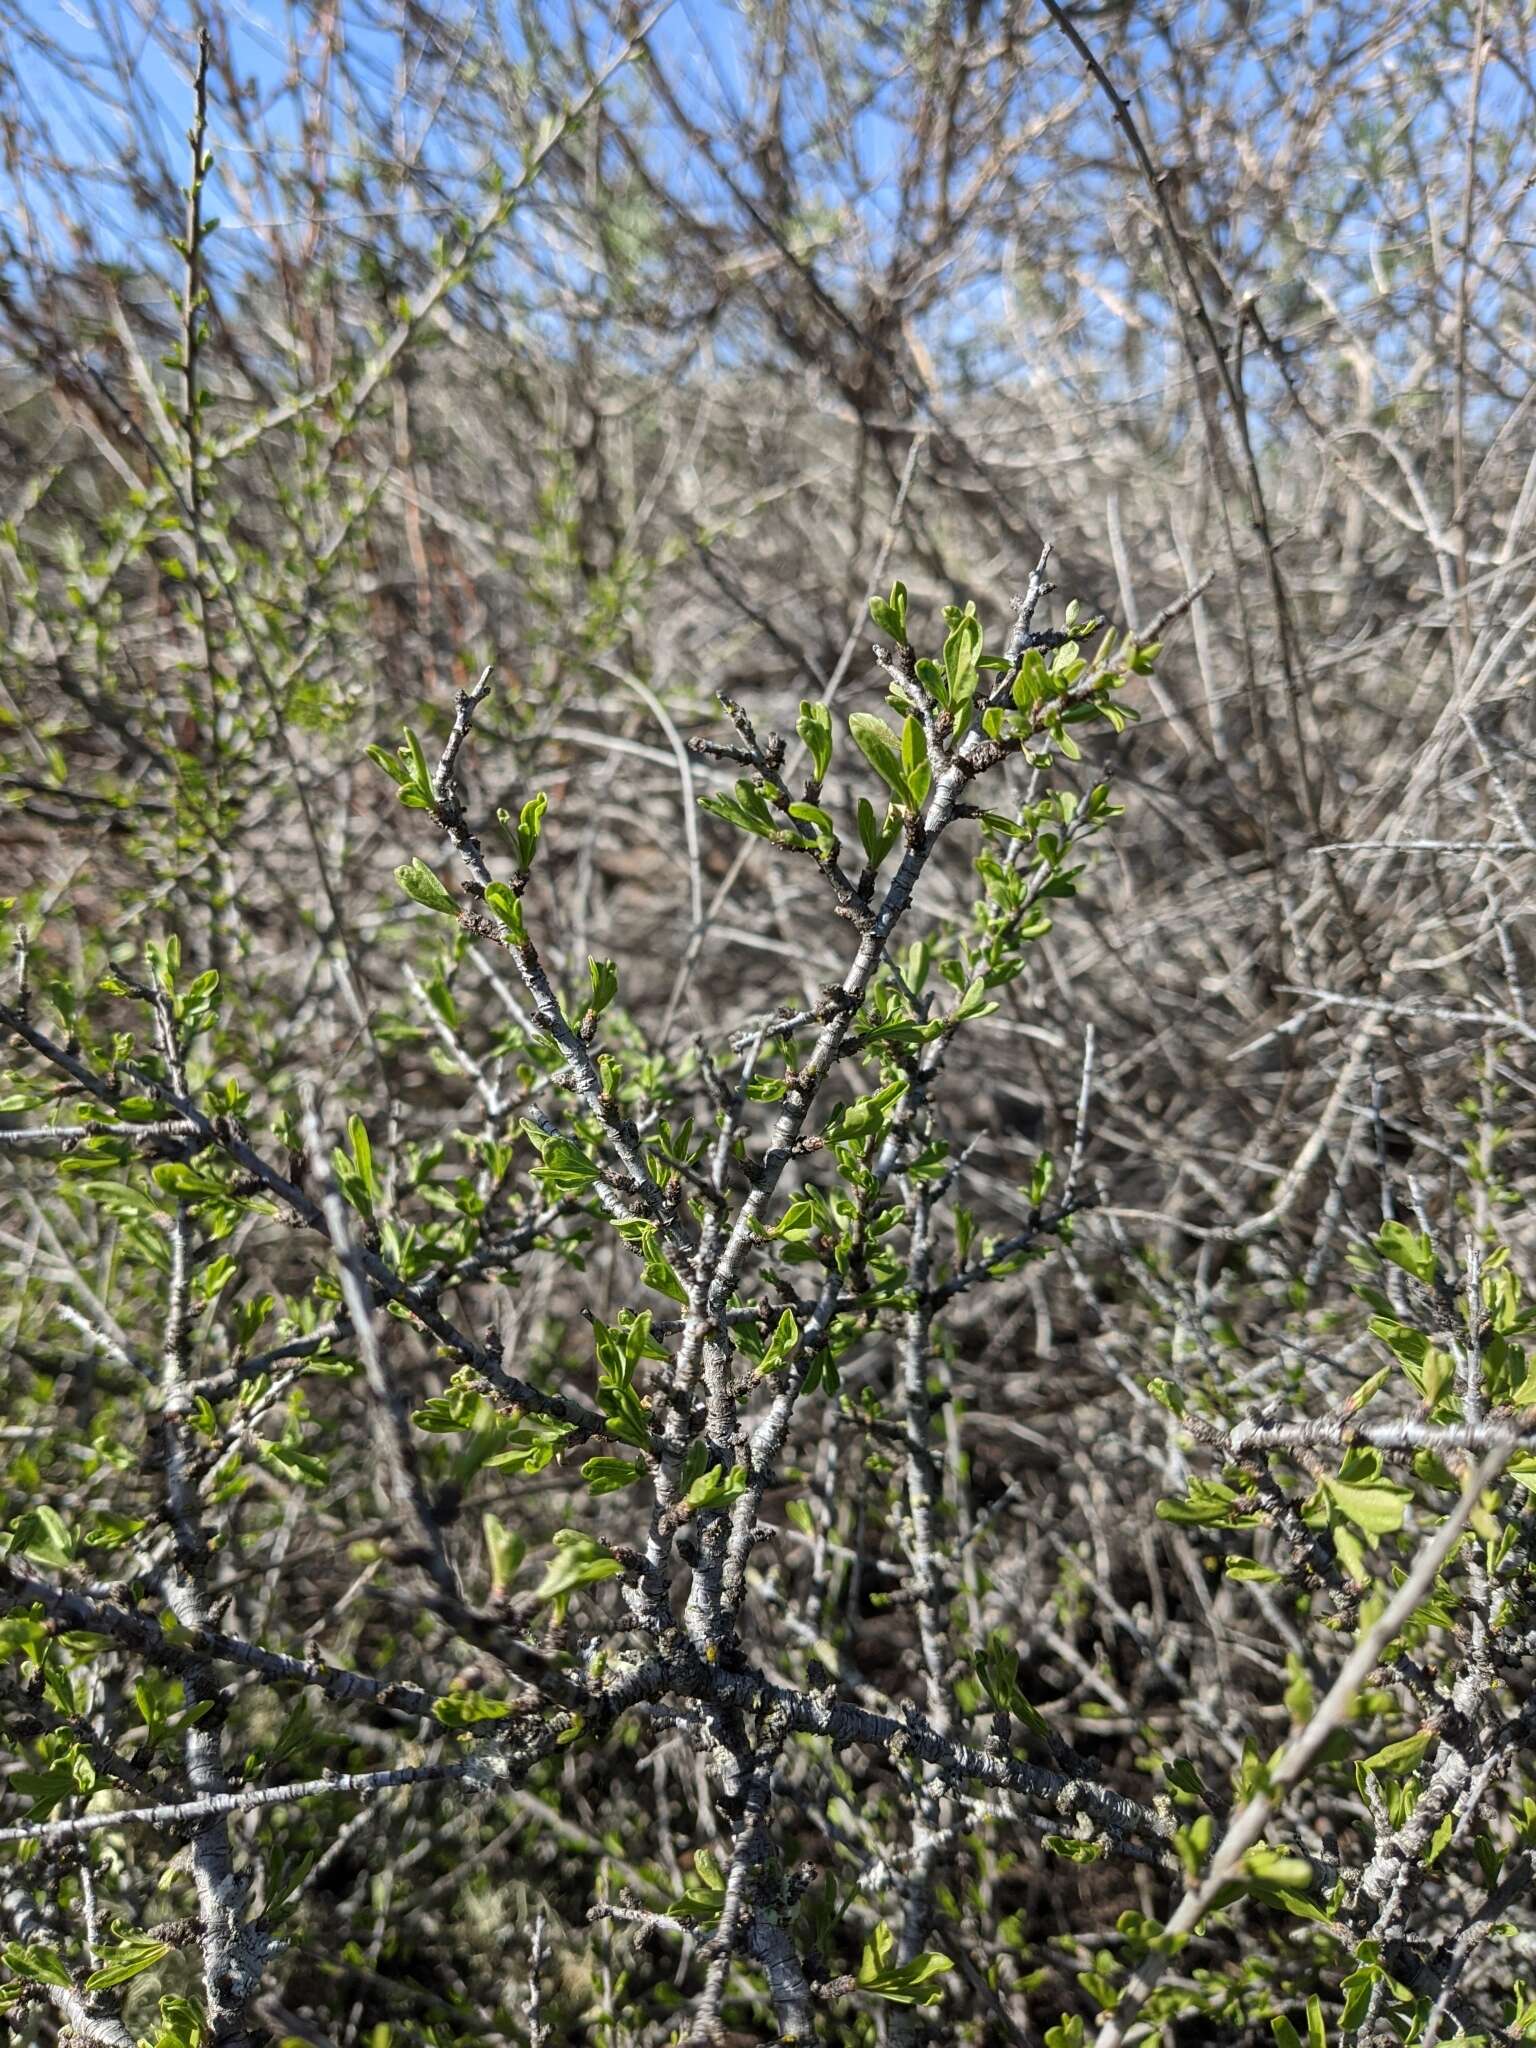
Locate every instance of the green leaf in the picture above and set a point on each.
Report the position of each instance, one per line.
(814, 815)
(781, 1344)
(914, 760)
(998, 1669)
(416, 780)
(704, 1895)
(814, 726)
(604, 977)
(1067, 2033)
(1368, 1389)
(128, 1959)
(1398, 1757)
(1378, 1510)
(1271, 1866)
(578, 1561)
(608, 1475)
(1032, 685)
(566, 1169)
(295, 1463)
(50, 1788)
(40, 1532)
(37, 1963)
(533, 1446)
(876, 836)
(442, 1414)
(362, 1155)
(505, 1549)
(1072, 1850)
(890, 614)
(1409, 1249)
(1183, 1777)
(1351, 1554)
(109, 1529)
(506, 906)
(1209, 1504)
(464, 1709)
(530, 824)
(181, 2026)
(393, 767)
(717, 1488)
(1357, 1989)
(284, 1879)
(423, 887)
(1430, 1369)
(962, 650)
(907, 1983)
(972, 1004)
(882, 750)
(746, 810)
(866, 1117)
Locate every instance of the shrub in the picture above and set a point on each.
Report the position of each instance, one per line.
(789, 1209)
(653, 1393)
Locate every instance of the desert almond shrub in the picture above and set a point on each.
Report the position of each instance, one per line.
(517, 1574)
(818, 1471)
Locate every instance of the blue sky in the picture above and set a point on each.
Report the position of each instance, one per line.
(709, 46)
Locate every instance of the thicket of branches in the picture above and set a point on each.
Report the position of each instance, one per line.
(737, 1312)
